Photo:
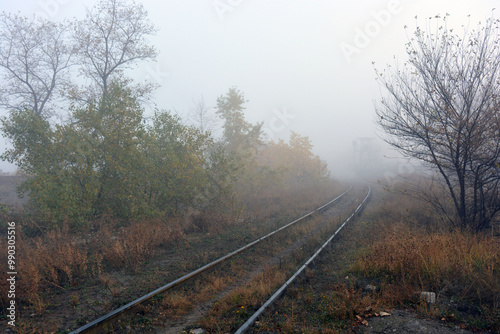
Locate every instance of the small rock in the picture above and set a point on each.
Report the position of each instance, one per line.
(429, 297)
(384, 314)
(371, 288)
(197, 331)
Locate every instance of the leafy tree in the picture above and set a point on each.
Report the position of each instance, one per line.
(442, 108)
(192, 171)
(176, 154)
(113, 128)
(295, 160)
(241, 141)
(82, 168)
(109, 161)
(43, 154)
(240, 136)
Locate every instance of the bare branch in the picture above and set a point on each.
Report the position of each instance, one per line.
(35, 57)
(112, 38)
(442, 108)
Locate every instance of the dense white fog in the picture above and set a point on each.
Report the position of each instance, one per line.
(304, 66)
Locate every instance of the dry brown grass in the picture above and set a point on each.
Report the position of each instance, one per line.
(402, 250)
(58, 260)
(176, 305)
(206, 221)
(54, 266)
(128, 247)
(438, 262)
(233, 309)
(48, 262)
(408, 252)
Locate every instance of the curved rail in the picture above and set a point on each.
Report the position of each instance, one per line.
(278, 293)
(142, 299)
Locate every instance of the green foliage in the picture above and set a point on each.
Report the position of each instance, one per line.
(111, 134)
(45, 154)
(175, 154)
(32, 137)
(266, 170)
(107, 161)
(294, 160)
(239, 135)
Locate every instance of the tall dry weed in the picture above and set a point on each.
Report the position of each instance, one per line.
(59, 259)
(459, 263)
(46, 262)
(129, 246)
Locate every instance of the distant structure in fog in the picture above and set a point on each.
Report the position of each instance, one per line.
(367, 156)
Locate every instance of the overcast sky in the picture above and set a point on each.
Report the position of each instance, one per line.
(304, 65)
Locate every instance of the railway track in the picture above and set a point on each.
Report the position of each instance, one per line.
(103, 323)
(248, 324)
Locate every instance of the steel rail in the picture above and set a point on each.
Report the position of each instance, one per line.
(122, 309)
(278, 293)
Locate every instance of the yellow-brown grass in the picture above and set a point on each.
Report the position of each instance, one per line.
(51, 261)
(233, 309)
(439, 262)
(460, 267)
(128, 247)
(58, 260)
(295, 198)
(176, 304)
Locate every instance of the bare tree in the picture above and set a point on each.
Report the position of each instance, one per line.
(442, 107)
(35, 57)
(112, 38)
(202, 116)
